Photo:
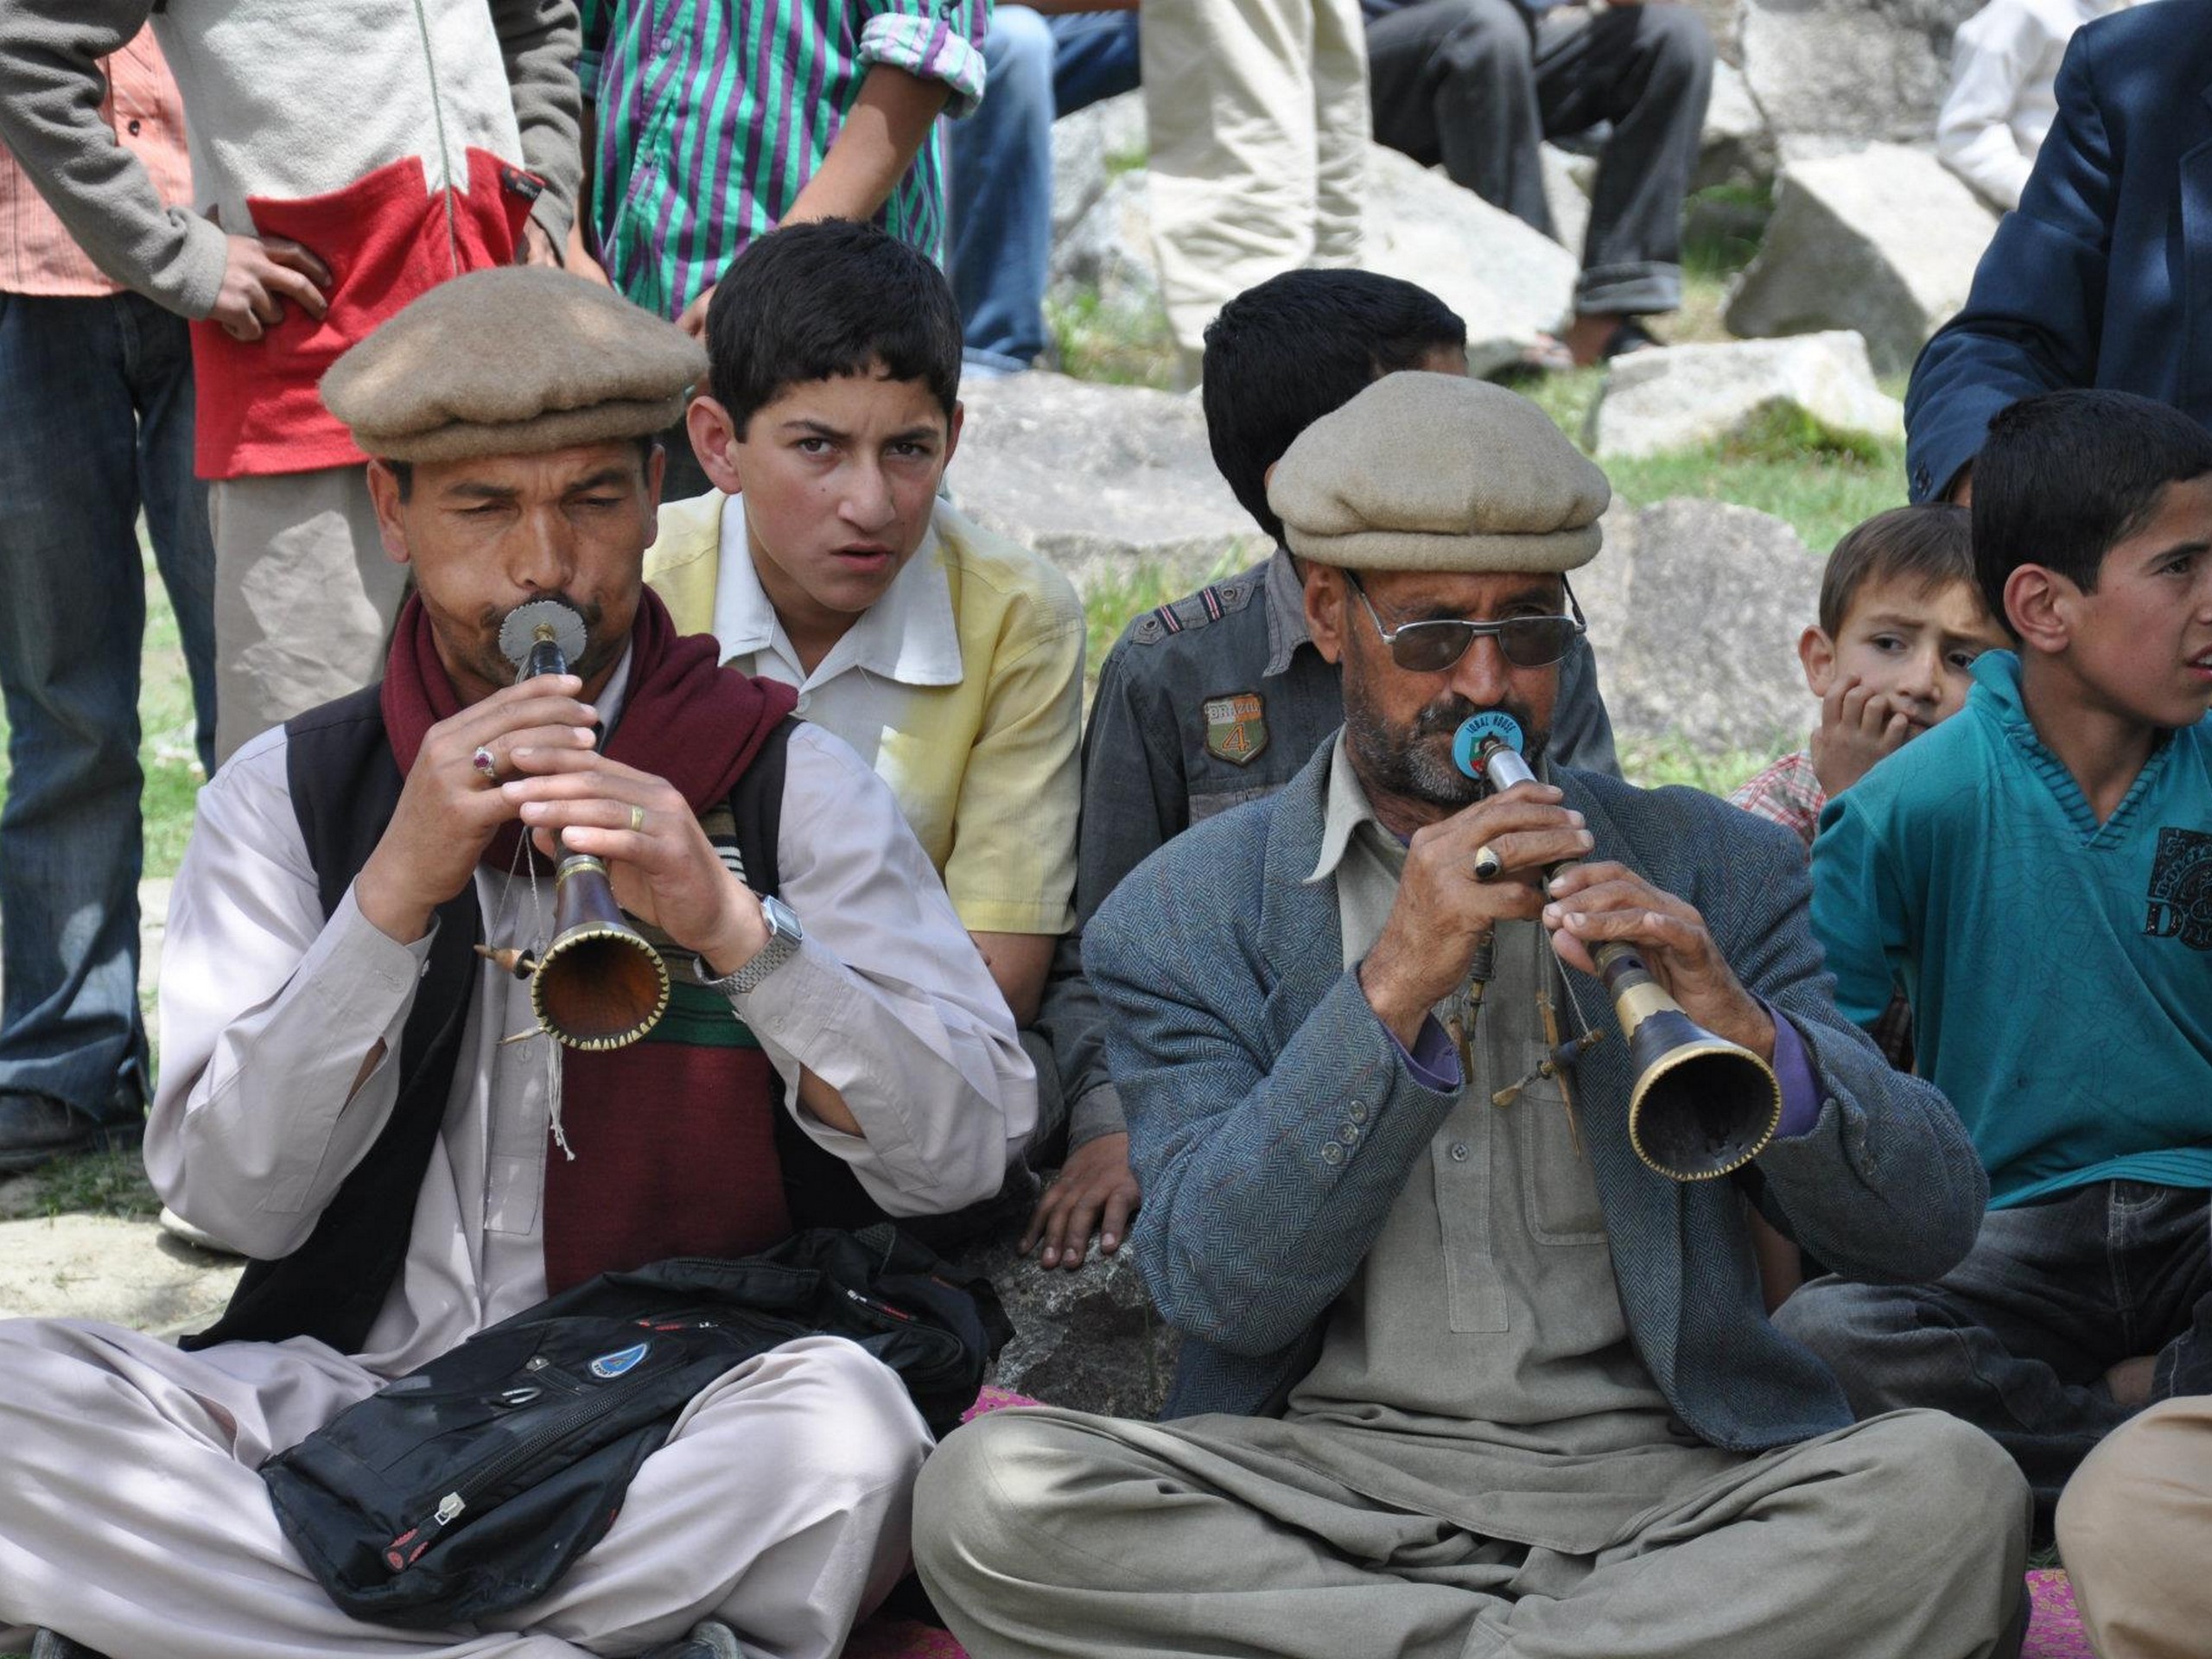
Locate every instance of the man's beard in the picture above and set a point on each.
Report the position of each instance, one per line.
(1414, 762)
(599, 653)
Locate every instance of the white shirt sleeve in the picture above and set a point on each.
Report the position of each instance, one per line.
(1993, 57)
(267, 1012)
(887, 1001)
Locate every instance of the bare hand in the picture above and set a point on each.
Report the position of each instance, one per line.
(448, 810)
(1592, 903)
(537, 247)
(259, 274)
(694, 320)
(1096, 1191)
(662, 866)
(1858, 727)
(580, 261)
(1442, 913)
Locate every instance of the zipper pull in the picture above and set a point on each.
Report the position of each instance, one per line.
(398, 1557)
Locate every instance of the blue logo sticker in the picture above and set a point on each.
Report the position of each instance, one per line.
(615, 1363)
(1491, 722)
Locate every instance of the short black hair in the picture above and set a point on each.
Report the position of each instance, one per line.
(2064, 477)
(1929, 546)
(1301, 346)
(825, 300)
(402, 471)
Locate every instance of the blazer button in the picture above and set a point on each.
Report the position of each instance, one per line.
(1356, 1111)
(1349, 1134)
(1332, 1152)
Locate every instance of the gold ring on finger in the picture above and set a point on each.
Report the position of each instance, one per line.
(637, 820)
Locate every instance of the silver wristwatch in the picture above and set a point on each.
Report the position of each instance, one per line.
(785, 936)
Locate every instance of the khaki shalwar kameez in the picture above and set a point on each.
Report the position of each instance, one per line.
(1478, 1463)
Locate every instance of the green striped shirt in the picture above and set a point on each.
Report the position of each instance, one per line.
(714, 115)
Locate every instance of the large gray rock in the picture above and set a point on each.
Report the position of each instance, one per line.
(1862, 69)
(1695, 624)
(1098, 479)
(1738, 144)
(1884, 242)
(1566, 193)
(1509, 282)
(1090, 148)
(1090, 1340)
(1681, 396)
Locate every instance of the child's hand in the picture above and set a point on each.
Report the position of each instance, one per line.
(1859, 726)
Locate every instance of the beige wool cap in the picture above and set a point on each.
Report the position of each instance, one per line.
(511, 361)
(1438, 472)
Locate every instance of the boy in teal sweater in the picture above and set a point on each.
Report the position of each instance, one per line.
(2036, 875)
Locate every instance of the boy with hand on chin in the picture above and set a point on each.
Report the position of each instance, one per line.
(2037, 877)
(950, 659)
(1901, 622)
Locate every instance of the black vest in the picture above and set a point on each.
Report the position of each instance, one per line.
(345, 786)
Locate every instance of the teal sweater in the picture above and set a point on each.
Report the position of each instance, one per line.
(2060, 970)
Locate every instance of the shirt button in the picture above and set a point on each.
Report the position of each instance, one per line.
(1458, 1152)
(1332, 1152)
(1358, 1111)
(1349, 1134)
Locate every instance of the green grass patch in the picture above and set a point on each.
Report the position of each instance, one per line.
(1655, 763)
(1118, 344)
(94, 1184)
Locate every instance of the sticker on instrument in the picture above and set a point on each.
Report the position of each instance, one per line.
(615, 1363)
(1476, 730)
(2181, 889)
(1236, 727)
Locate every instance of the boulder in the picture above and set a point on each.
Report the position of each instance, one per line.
(1566, 193)
(1681, 396)
(1090, 148)
(1738, 145)
(1509, 282)
(1089, 1340)
(1098, 479)
(1860, 69)
(1884, 242)
(1695, 625)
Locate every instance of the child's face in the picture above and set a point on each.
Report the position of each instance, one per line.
(837, 478)
(1906, 644)
(2142, 643)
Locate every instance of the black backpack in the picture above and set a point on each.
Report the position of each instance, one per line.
(469, 1487)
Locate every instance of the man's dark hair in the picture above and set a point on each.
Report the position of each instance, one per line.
(2066, 476)
(1299, 347)
(1929, 546)
(825, 300)
(402, 471)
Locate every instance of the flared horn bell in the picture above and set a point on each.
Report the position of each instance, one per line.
(1701, 1106)
(599, 985)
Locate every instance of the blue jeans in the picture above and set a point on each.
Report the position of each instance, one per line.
(999, 170)
(95, 419)
(2018, 1337)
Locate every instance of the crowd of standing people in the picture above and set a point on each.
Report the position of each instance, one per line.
(391, 325)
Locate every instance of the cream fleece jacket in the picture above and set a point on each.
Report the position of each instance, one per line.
(284, 99)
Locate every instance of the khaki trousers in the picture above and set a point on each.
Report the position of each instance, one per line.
(1047, 1532)
(304, 596)
(1257, 117)
(2135, 1528)
(132, 1519)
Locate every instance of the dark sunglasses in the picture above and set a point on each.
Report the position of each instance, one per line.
(1432, 647)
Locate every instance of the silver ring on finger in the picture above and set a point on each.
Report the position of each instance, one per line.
(637, 820)
(1488, 864)
(485, 764)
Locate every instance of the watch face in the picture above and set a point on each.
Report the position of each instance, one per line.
(781, 918)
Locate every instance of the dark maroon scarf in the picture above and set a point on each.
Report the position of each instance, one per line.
(674, 1141)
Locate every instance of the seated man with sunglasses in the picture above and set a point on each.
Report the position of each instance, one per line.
(1459, 1374)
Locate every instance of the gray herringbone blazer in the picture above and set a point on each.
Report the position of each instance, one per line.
(1237, 1039)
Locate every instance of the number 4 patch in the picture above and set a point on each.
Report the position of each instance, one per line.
(1236, 727)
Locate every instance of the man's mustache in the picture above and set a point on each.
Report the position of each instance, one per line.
(1444, 717)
